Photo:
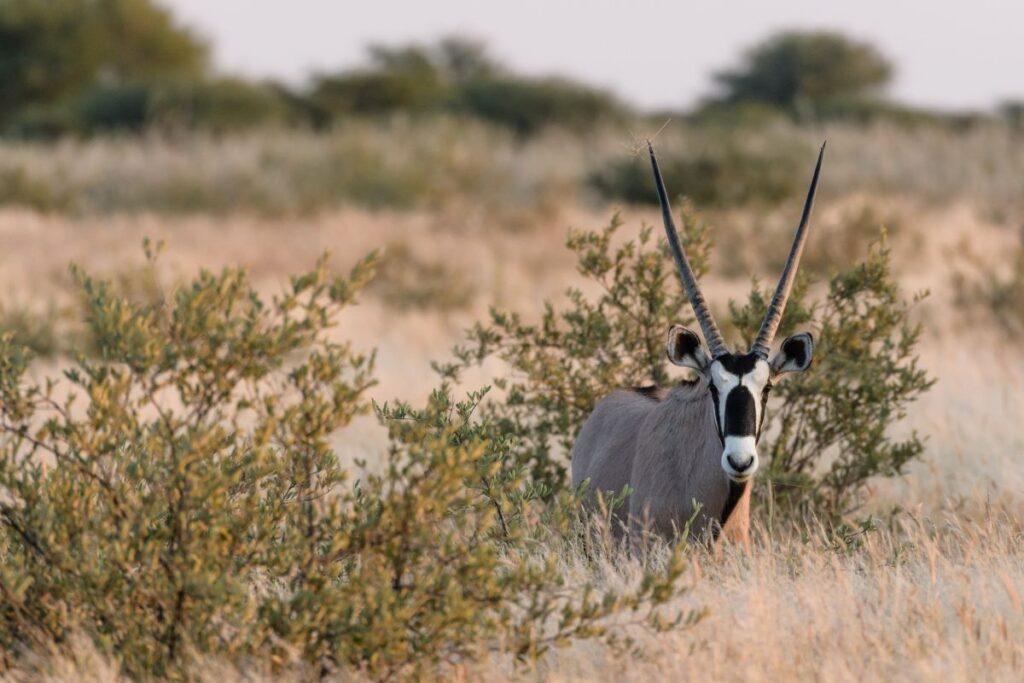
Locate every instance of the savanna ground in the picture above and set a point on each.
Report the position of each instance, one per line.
(932, 592)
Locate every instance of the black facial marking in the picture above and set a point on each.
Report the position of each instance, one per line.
(686, 344)
(738, 365)
(795, 349)
(718, 418)
(764, 407)
(651, 392)
(740, 416)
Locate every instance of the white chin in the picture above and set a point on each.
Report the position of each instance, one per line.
(739, 478)
(742, 449)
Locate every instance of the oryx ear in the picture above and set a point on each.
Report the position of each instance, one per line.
(685, 349)
(795, 354)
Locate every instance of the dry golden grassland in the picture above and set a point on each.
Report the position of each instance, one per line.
(935, 593)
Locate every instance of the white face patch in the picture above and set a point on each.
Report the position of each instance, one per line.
(725, 381)
(739, 454)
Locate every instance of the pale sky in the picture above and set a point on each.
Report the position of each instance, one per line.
(653, 53)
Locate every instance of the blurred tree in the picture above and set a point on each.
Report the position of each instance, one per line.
(456, 74)
(143, 41)
(1012, 111)
(373, 92)
(464, 59)
(454, 59)
(53, 49)
(410, 77)
(218, 105)
(806, 72)
(526, 105)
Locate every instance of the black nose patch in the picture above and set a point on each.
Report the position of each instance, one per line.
(740, 415)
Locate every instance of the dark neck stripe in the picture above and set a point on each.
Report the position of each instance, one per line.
(736, 490)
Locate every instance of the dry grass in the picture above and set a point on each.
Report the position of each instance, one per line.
(934, 598)
(434, 164)
(935, 594)
(467, 169)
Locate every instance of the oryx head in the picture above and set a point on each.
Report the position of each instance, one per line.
(739, 382)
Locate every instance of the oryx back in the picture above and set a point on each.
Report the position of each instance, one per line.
(606, 446)
(677, 464)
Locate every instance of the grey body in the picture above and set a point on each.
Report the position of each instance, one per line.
(666, 448)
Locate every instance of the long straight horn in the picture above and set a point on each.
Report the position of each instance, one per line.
(762, 344)
(700, 306)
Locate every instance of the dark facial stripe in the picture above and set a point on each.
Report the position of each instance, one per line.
(718, 417)
(740, 415)
(764, 407)
(738, 365)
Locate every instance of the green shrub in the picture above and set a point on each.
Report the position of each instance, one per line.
(406, 282)
(373, 93)
(136, 519)
(125, 108)
(59, 331)
(18, 187)
(1000, 298)
(1012, 112)
(831, 431)
(565, 364)
(726, 176)
(852, 236)
(749, 115)
(41, 122)
(50, 50)
(527, 105)
(183, 500)
(219, 106)
(457, 76)
(489, 543)
(804, 72)
(36, 332)
(410, 78)
(860, 110)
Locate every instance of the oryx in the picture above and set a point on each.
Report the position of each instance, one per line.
(697, 441)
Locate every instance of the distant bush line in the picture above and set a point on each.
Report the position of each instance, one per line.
(487, 174)
(88, 67)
